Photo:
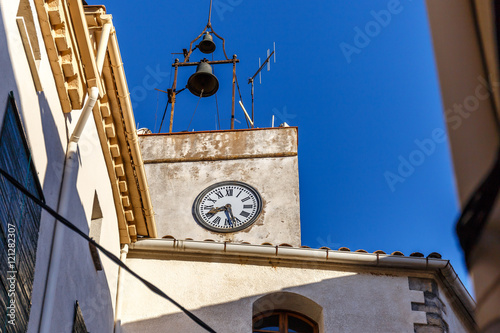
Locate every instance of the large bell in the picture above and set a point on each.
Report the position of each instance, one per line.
(204, 80)
(207, 45)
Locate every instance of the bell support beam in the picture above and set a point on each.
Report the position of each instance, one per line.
(215, 62)
(178, 64)
(172, 97)
(234, 85)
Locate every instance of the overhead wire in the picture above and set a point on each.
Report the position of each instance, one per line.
(164, 113)
(168, 100)
(241, 98)
(108, 254)
(216, 102)
(196, 108)
(156, 112)
(217, 108)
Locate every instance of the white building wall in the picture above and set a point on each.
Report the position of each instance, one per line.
(223, 294)
(452, 318)
(47, 131)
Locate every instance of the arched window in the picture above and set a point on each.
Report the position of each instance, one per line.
(287, 312)
(283, 322)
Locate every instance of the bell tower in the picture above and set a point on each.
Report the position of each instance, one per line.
(232, 185)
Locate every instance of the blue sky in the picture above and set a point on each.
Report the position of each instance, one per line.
(358, 78)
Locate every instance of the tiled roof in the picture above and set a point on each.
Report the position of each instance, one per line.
(433, 255)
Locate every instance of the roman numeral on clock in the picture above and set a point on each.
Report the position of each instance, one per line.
(245, 214)
(208, 207)
(248, 206)
(219, 194)
(229, 192)
(245, 199)
(216, 220)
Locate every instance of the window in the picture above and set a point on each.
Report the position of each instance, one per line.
(78, 321)
(283, 322)
(95, 232)
(19, 224)
(287, 312)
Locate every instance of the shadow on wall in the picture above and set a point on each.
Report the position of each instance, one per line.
(354, 303)
(78, 279)
(77, 275)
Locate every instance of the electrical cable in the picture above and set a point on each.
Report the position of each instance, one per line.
(163, 118)
(156, 112)
(108, 254)
(241, 98)
(217, 108)
(196, 108)
(216, 102)
(166, 106)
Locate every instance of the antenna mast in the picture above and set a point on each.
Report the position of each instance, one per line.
(261, 66)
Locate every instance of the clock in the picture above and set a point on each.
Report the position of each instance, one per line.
(227, 206)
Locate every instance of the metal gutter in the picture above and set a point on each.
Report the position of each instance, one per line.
(443, 267)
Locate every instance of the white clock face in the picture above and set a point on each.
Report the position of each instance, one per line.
(227, 207)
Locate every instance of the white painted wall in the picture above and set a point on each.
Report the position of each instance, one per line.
(222, 295)
(47, 129)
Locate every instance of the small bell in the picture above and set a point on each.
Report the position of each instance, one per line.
(203, 79)
(207, 45)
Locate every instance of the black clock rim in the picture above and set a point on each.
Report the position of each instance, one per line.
(200, 196)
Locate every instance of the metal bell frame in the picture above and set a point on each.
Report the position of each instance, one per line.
(187, 55)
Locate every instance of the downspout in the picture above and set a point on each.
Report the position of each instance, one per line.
(70, 174)
(119, 290)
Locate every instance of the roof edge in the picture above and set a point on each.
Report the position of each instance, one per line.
(442, 267)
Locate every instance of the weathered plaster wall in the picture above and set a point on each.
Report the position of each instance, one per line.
(452, 318)
(47, 131)
(433, 300)
(223, 294)
(180, 166)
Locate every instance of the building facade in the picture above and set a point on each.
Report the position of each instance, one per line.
(224, 236)
(64, 119)
(238, 279)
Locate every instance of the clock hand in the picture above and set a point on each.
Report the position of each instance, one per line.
(228, 209)
(216, 210)
(229, 218)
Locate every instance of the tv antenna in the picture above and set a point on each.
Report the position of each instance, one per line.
(259, 72)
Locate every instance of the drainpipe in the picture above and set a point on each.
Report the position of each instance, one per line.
(119, 290)
(68, 186)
